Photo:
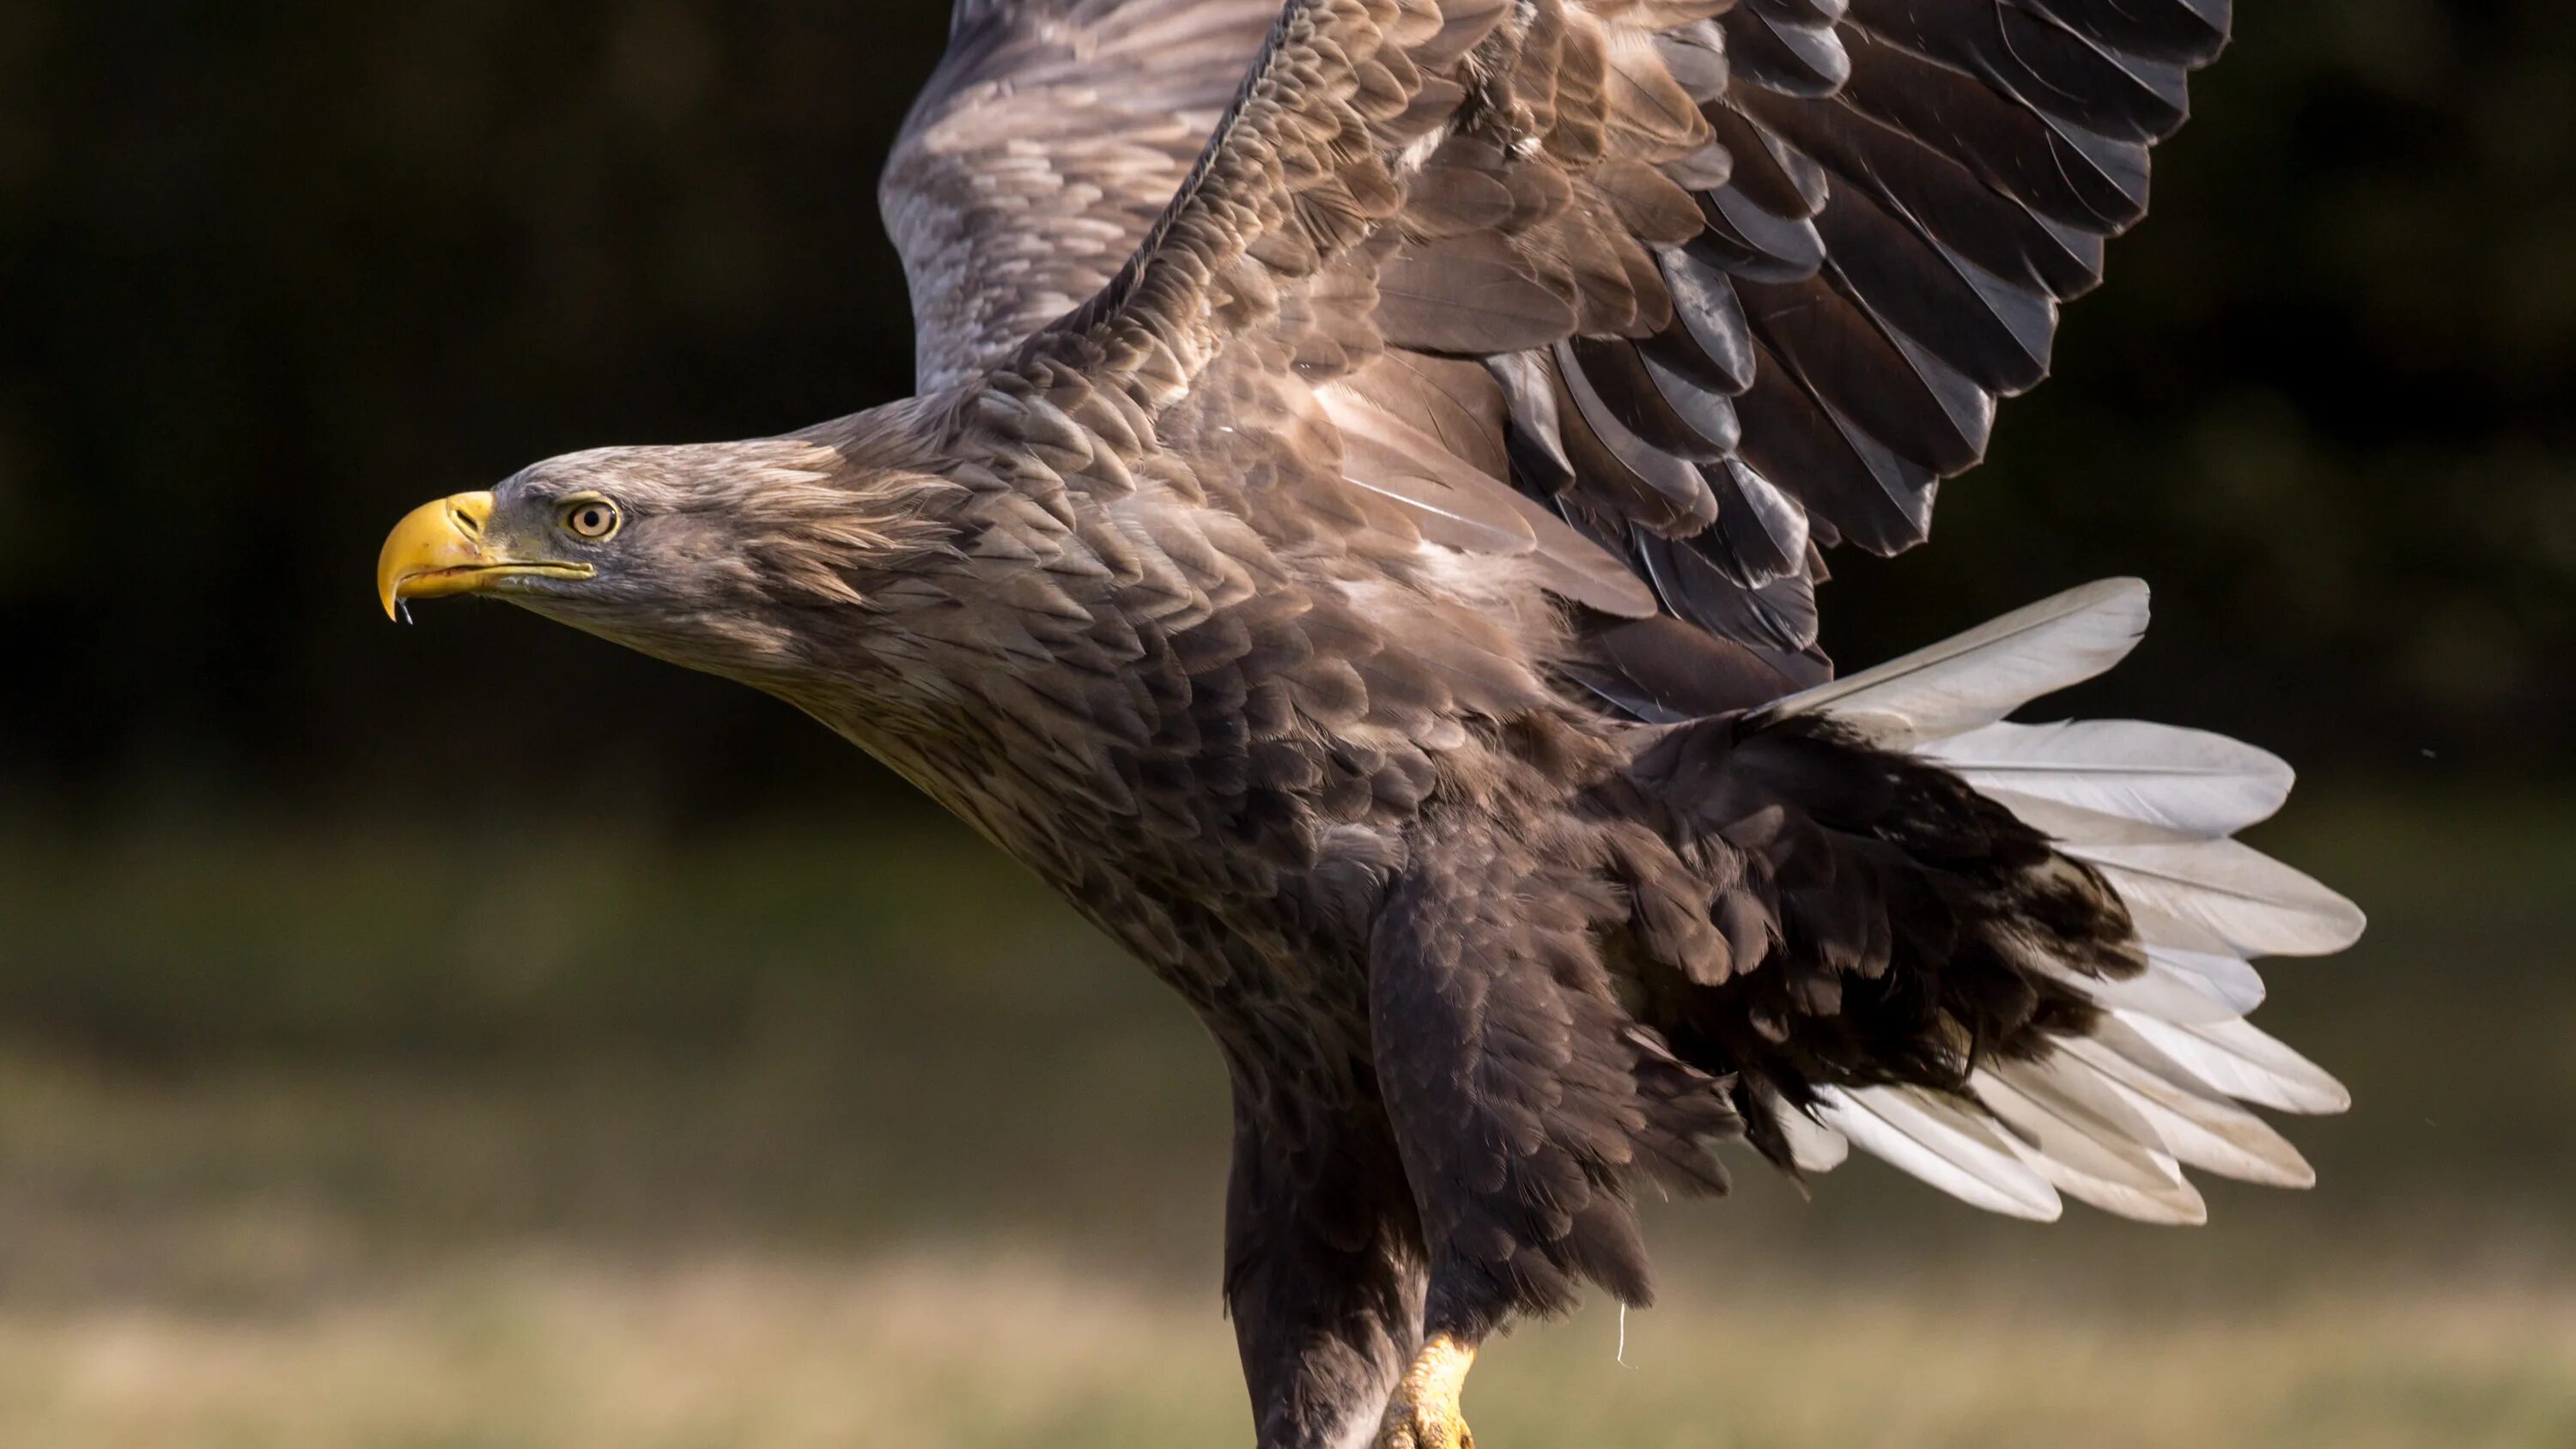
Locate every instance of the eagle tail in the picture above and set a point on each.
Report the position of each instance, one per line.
(2061, 905)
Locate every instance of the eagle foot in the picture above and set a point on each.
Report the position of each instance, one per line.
(1424, 1412)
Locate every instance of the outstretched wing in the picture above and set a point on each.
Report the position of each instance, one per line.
(1051, 136)
(1712, 284)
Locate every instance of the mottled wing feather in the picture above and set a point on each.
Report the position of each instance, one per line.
(1713, 285)
(1051, 136)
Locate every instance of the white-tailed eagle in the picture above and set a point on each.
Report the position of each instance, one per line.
(1357, 538)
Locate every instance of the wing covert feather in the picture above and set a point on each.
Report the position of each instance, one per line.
(1743, 280)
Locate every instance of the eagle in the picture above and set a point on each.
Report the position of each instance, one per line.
(1356, 537)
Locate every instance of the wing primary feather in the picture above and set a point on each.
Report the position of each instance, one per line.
(1762, 531)
(1534, 438)
(1755, 244)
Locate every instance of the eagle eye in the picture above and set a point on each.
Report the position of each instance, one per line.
(591, 518)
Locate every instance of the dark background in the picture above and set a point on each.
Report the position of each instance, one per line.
(475, 1034)
(276, 272)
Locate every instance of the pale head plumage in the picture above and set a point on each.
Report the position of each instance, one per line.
(722, 554)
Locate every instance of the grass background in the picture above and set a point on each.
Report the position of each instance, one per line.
(808, 1133)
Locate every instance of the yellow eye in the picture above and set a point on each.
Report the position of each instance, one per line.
(591, 519)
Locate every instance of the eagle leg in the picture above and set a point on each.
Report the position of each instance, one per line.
(1323, 1271)
(1424, 1413)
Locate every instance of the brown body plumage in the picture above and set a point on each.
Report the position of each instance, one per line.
(1354, 540)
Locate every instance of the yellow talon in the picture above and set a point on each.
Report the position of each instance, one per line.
(1424, 1413)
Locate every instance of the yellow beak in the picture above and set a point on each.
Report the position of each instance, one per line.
(439, 549)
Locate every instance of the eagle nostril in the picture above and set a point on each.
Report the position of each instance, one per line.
(465, 522)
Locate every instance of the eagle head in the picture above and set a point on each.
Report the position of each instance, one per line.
(742, 559)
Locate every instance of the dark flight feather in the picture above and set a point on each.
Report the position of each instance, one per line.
(1914, 182)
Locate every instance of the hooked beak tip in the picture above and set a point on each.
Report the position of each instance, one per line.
(436, 548)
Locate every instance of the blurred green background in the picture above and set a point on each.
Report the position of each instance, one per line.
(474, 1035)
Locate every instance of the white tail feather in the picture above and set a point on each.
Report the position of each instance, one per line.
(2161, 991)
(1988, 672)
(2221, 897)
(2074, 825)
(2176, 1204)
(2224, 978)
(1813, 1146)
(2110, 1118)
(2130, 1180)
(1943, 1145)
(2172, 783)
(2065, 1120)
(2200, 1130)
(2238, 1058)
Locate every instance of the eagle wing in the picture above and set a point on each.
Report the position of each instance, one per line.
(1050, 137)
(1670, 294)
